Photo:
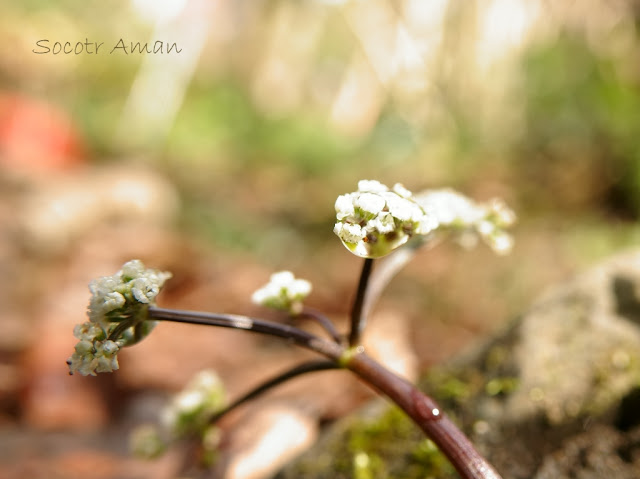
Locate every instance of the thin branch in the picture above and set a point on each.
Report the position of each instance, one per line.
(322, 320)
(304, 368)
(329, 349)
(358, 319)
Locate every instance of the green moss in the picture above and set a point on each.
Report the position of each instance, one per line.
(449, 387)
(616, 372)
(392, 446)
(380, 445)
(504, 385)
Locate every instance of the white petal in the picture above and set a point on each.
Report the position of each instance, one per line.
(371, 186)
(370, 203)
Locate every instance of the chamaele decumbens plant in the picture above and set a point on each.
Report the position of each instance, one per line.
(375, 223)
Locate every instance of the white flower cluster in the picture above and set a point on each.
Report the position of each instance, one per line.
(187, 414)
(191, 409)
(117, 301)
(375, 220)
(283, 291)
(132, 284)
(94, 353)
(459, 214)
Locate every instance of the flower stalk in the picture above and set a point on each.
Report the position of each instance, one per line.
(299, 370)
(422, 409)
(358, 318)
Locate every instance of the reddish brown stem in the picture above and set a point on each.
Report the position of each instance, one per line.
(427, 414)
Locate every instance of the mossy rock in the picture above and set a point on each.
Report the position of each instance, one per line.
(555, 395)
(379, 442)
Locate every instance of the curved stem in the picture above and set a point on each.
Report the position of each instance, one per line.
(304, 368)
(426, 413)
(120, 328)
(358, 319)
(322, 320)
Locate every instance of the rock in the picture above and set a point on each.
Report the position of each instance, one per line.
(554, 395)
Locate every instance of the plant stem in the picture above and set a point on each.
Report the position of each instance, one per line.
(304, 368)
(419, 407)
(322, 320)
(358, 319)
(327, 348)
(425, 412)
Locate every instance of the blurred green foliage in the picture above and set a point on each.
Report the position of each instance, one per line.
(583, 121)
(576, 92)
(218, 118)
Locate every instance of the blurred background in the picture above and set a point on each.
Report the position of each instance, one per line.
(221, 162)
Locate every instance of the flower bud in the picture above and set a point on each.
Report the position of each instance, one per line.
(117, 308)
(374, 221)
(283, 292)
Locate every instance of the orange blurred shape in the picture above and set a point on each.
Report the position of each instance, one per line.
(36, 136)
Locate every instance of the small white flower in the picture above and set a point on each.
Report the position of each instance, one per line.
(132, 269)
(378, 220)
(104, 285)
(470, 220)
(106, 364)
(87, 331)
(83, 346)
(403, 209)
(299, 288)
(282, 278)
(191, 408)
(109, 348)
(485, 227)
(370, 203)
(93, 355)
(425, 225)
(384, 223)
(344, 206)
(349, 233)
(105, 298)
(402, 191)
(501, 243)
(371, 186)
(450, 207)
(144, 290)
(503, 215)
(189, 401)
(283, 291)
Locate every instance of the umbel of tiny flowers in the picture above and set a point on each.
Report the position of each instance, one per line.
(284, 292)
(191, 408)
(469, 220)
(186, 415)
(117, 317)
(375, 220)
